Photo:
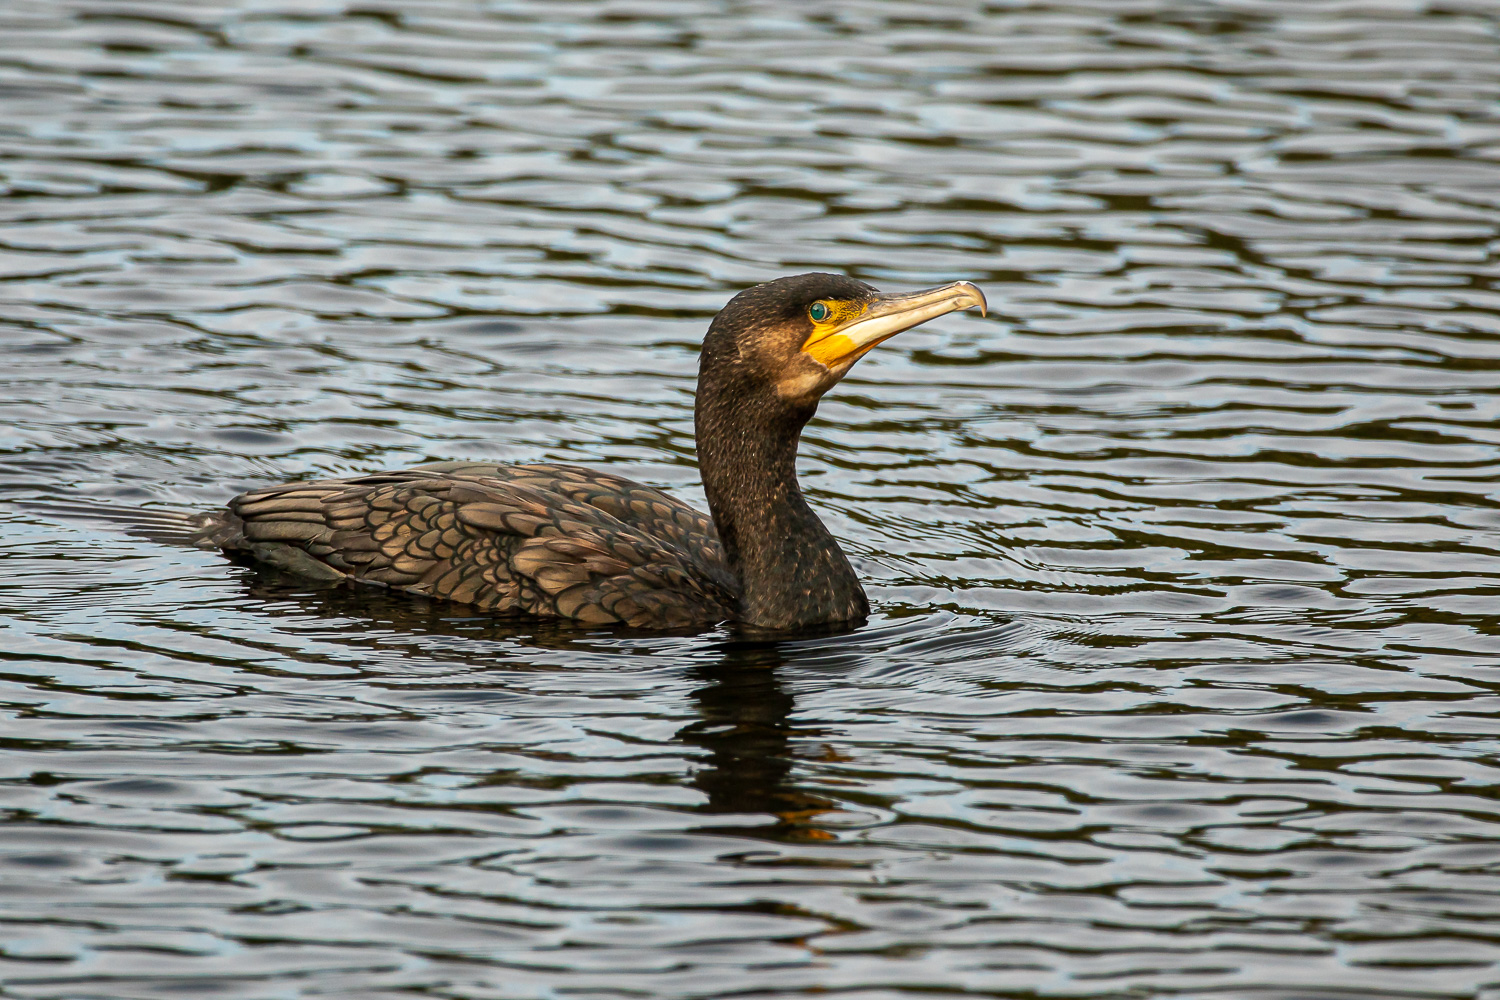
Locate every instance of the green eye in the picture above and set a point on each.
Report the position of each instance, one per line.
(818, 311)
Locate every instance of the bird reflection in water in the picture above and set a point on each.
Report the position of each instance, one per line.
(745, 712)
(747, 730)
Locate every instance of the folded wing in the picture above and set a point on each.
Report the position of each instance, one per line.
(539, 540)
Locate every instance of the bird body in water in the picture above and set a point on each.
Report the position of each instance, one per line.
(563, 541)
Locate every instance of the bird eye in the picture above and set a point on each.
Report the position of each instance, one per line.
(818, 311)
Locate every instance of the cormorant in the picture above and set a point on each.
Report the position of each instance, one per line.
(568, 542)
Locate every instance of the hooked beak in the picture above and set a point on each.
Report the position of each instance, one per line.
(886, 316)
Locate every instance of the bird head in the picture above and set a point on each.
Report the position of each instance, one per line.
(800, 335)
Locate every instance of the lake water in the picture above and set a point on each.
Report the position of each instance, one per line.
(1184, 680)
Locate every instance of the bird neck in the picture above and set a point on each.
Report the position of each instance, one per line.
(792, 572)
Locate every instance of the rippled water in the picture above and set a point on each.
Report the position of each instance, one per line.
(1186, 670)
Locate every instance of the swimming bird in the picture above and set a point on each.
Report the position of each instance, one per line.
(562, 541)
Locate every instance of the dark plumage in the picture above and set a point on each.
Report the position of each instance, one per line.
(568, 542)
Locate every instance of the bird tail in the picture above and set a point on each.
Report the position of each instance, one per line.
(158, 524)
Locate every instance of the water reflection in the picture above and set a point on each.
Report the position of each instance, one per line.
(745, 713)
(746, 727)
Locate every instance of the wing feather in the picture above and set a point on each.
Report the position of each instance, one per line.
(548, 540)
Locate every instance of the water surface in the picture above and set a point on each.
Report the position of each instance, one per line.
(1185, 672)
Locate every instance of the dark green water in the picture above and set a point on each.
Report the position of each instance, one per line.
(1185, 677)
